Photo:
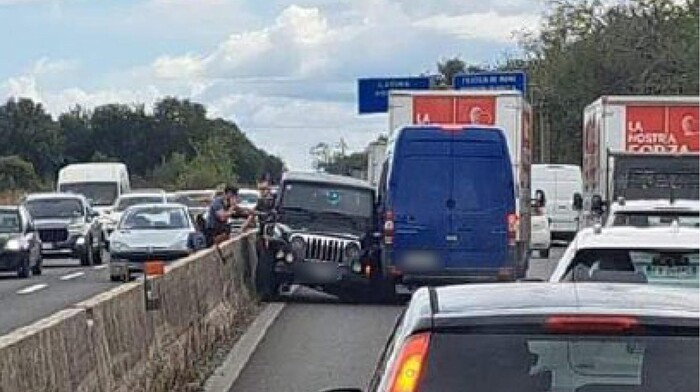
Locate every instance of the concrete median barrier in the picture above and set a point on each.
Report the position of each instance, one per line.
(113, 342)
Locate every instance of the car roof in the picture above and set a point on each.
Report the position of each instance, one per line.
(142, 194)
(656, 205)
(156, 205)
(511, 299)
(326, 179)
(625, 237)
(9, 208)
(55, 195)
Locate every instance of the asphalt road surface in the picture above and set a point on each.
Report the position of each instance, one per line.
(317, 343)
(63, 283)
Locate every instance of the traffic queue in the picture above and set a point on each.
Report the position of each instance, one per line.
(95, 217)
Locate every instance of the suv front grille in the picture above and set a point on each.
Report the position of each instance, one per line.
(320, 248)
(53, 235)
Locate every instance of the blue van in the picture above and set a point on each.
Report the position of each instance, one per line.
(447, 197)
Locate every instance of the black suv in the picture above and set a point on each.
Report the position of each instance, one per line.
(322, 236)
(67, 226)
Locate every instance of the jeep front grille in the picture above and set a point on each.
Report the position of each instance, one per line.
(320, 248)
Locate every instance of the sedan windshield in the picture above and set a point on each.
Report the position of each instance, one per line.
(155, 218)
(55, 208)
(126, 202)
(9, 222)
(563, 363)
(674, 267)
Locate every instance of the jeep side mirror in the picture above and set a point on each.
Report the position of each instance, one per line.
(597, 204)
(578, 202)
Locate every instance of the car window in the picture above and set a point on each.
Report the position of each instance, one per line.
(126, 202)
(648, 219)
(564, 363)
(154, 218)
(655, 266)
(55, 208)
(10, 222)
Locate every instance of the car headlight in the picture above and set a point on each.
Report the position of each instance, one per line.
(352, 253)
(14, 244)
(76, 227)
(118, 246)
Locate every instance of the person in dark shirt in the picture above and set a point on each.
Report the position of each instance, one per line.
(222, 209)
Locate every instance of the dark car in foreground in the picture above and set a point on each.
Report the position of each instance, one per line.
(526, 337)
(20, 247)
(67, 225)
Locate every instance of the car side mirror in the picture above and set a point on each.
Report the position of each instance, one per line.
(540, 199)
(597, 204)
(578, 202)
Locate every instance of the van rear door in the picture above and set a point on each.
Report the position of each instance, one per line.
(482, 197)
(421, 179)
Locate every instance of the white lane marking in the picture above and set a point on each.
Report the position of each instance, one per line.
(33, 288)
(100, 267)
(72, 276)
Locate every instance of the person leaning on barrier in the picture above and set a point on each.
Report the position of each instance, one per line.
(222, 209)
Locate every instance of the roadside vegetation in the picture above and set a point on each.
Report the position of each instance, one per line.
(174, 145)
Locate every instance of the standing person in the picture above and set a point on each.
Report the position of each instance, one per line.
(220, 211)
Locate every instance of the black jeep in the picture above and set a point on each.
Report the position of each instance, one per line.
(322, 236)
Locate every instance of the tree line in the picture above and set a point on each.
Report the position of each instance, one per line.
(174, 146)
(588, 48)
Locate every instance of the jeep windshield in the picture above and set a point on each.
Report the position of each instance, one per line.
(327, 206)
(55, 208)
(328, 198)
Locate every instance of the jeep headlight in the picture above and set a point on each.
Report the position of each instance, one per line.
(14, 245)
(352, 253)
(298, 248)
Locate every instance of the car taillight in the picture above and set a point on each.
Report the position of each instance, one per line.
(591, 324)
(513, 221)
(410, 365)
(389, 228)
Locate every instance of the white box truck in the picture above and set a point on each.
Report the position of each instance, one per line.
(639, 148)
(507, 110)
(376, 154)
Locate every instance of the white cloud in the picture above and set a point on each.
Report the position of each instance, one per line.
(288, 82)
(487, 26)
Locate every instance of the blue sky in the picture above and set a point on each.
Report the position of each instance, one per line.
(285, 71)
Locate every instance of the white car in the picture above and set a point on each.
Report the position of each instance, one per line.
(652, 213)
(659, 255)
(112, 216)
(540, 234)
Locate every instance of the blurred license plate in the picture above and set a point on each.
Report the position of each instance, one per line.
(420, 260)
(47, 246)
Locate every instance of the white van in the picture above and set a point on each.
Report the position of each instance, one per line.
(560, 183)
(101, 183)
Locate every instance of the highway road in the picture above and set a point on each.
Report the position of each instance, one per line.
(63, 283)
(317, 343)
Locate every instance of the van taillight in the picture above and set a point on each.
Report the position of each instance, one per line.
(513, 221)
(409, 367)
(389, 228)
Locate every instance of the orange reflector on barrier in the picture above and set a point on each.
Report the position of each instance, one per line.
(154, 268)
